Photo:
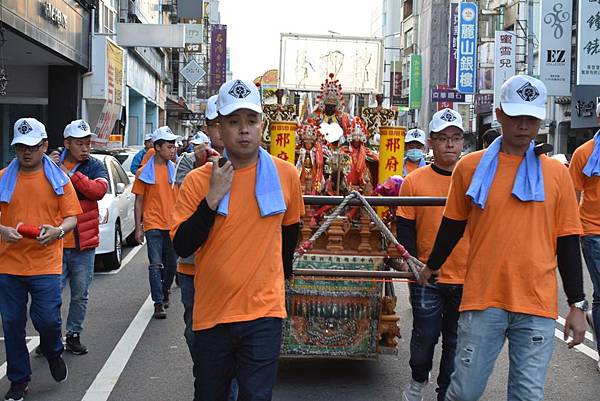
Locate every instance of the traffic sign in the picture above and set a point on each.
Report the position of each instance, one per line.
(193, 72)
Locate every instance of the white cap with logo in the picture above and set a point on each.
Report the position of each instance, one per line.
(445, 118)
(200, 138)
(211, 107)
(522, 95)
(165, 134)
(415, 135)
(238, 94)
(77, 129)
(148, 137)
(29, 132)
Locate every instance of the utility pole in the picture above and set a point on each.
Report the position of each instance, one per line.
(530, 37)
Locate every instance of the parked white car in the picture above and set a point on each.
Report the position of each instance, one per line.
(117, 222)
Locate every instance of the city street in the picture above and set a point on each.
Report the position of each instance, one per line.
(133, 357)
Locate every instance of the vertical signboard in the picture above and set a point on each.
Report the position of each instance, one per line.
(583, 106)
(218, 56)
(111, 111)
(453, 45)
(416, 85)
(504, 62)
(466, 56)
(283, 140)
(555, 46)
(395, 83)
(391, 152)
(588, 43)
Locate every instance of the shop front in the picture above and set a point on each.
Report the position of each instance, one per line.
(46, 54)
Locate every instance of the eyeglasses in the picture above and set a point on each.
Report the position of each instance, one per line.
(19, 147)
(446, 139)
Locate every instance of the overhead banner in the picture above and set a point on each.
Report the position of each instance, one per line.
(555, 46)
(504, 63)
(453, 45)
(466, 57)
(218, 56)
(416, 84)
(583, 106)
(588, 43)
(111, 111)
(391, 152)
(283, 140)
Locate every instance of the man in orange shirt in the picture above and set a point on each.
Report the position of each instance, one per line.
(32, 229)
(585, 172)
(522, 215)
(155, 196)
(434, 306)
(414, 150)
(242, 220)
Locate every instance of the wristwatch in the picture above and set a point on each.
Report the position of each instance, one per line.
(583, 305)
(62, 232)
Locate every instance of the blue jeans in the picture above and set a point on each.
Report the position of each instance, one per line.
(435, 312)
(163, 264)
(45, 293)
(590, 245)
(186, 285)
(78, 272)
(481, 336)
(248, 351)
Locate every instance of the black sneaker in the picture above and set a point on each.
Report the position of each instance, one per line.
(166, 301)
(74, 345)
(16, 392)
(38, 351)
(159, 312)
(58, 369)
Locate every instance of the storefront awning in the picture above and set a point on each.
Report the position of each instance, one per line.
(176, 105)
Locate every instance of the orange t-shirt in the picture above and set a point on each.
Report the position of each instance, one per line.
(69, 240)
(239, 275)
(425, 181)
(512, 253)
(410, 166)
(589, 208)
(26, 257)
(186, 268)
(159, 199)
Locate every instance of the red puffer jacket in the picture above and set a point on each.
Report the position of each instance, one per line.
(91, 183)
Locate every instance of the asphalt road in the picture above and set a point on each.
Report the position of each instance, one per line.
(135, 358)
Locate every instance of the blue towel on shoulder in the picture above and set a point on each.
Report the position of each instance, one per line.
(592, 167)
(269, 195)
(422, 163)
(148, 174)
(529, 181)
(56, 177)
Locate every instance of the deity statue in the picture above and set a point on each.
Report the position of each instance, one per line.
(329, 111)
(310, 160)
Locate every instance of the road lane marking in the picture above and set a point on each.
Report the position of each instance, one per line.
(124, 262)
(588, 335)
(581, 347)
(107, 378)
(32, 342)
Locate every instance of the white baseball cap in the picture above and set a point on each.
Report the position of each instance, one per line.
(29, 132)
(200, 138)
(165, 134)
(415, 134)
(77, 129)
(238, 94)
(211, 107)
(148, 137)
(522, 95)
(445, 118)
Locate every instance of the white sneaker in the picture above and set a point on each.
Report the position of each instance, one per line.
(414, 391)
